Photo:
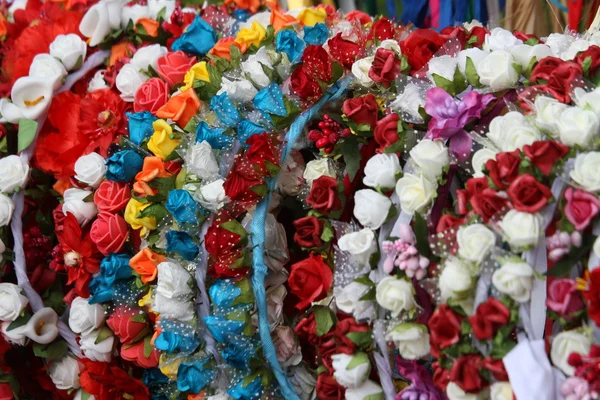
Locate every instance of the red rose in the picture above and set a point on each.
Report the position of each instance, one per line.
(581, 207)
(261, 150)
(465, 373)
(232, 264)
(324, 196)
(136, 354)
(308, 232)
(109, 232)
(504, 169)
(484, 201)
(527, 194)
(316, 63)
(112, 196)
(362, 110)
(545, 67)
(304, 85)
(560, 83)
(455, 32)
(441, 376)
(447, 222)
(173, 66)
(545, 154)
(307, 328)
(593, 52)
(524, 36)
(240, 179)
(343, 51)
(444, 329)
(151, 95)
(477, 32)
(359, 16)
(382, 29)
(420, 46)
(386, 131)
(219, 240)
(328, 388)
(496, 367)
(563, 297)
(385, 67)
(488, 318)
(128, 324)
(345, 326)
(310, 280)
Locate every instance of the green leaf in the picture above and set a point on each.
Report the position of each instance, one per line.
(51, 351)
(155, 210)
(103, 334)
(273, 169)
(564, 266)
(374, 396)
(404, 65)
(336, 72)
(148, 347)
(465, 327)
(327, 233)
(22, 320)
(357, 359)
(361, 339)
(161, 14)
(422, 235)
(234, 226)
(471, 73)
(85, 395)
(280, 122)
(517, 68)
(139, 318)
(351, 152)
(459, 83)
(585, 65)
(530, 66)
(370, 295)
(532, 41)
(180, 179)
(247, 296)
(473, 40)
(443, 83)
(364, 280)
(26, 134)
(260, 190)
(324, 319)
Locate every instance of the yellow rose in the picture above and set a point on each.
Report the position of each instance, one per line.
(169, 365)
(132, 210)
(251, 36)
(312, 16)
(198, 71)
(161, 143)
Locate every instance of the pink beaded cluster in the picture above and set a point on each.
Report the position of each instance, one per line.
(560, 244)
(403, 254)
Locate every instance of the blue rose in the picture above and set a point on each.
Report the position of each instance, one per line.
(113, 268)
(288, 42)
(316, 35)
(182, 243)
(223, 293)
(222, 105)
(238, 352)
(157, 383)
(182, 207)
(222, 328)
(246, 129)
(270, 100)
(140, 126)
(214, 136)
(123, 166)
(100, 290)
(198, 38)
(171, 342)
(246, 391)
(194, 376)
(241, 15)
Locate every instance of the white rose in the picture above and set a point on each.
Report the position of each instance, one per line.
(585, 171)
(85, 317)
(521, 229)
(173, 281)
(15, 336)
(480, 158)
(212, 196)
(454, 392)
(431, 156)
(558, 43)
(201, 160)
(371, 208)
(7, 207)
(567, 343)
(156, 6)
(501, 391)
(368, 390)
(65, 373)
(15, 172)
(239, 91)
(32, 95)
(129, 79)
(348, 300)
(173, 308)
(523, 54)
(444, 66)
(263, 18)
(512, 131)
(476, 55)
(252, 66)
(547, 114)
(381, 170)
(69, 49)
(596, 247)
(389, 44)
(470, 25)
(497, 71)
(415, 193)
(361, 245)
(97, 82)
(514, 278)
(100, 19)
(90, 169)
(290, 178)
(74, 203)
(316, 169)
(456, 280)
(411, 339)
(578, 127)
(12, 301)
(133, 13)
(500, 39)
(101, 351)
(360, 70)
(354, 376)
(79, 395)
(148, 56)
(47, 67)
(574, 49)
(475, 242)
(395, 295)
(588, 100)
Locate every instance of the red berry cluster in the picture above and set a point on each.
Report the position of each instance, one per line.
(328, 134)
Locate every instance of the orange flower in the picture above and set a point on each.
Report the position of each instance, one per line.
(280, 20)
(2, 27)
(150, 26)
(117, 51)
(222, 48)
(180, 108)
(153, 168)
(61, 185)
(145, 263)
(250, 5)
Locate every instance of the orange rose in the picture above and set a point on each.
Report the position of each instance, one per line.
(222, 48)
(250, 5)
(153, 167)
(180, 108)
(119, 50)
(145, 263)
(280, 20)
(150, 26)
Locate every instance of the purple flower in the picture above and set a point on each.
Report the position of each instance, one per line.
(422, 387)
(449, 116)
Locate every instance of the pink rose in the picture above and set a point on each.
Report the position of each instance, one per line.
(112, 196)
(151, 96)
(563, 297)
(581, 207)
(173, 66)
(287, 348)
(109, 232)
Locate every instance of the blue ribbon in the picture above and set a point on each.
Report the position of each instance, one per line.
(258, 241)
